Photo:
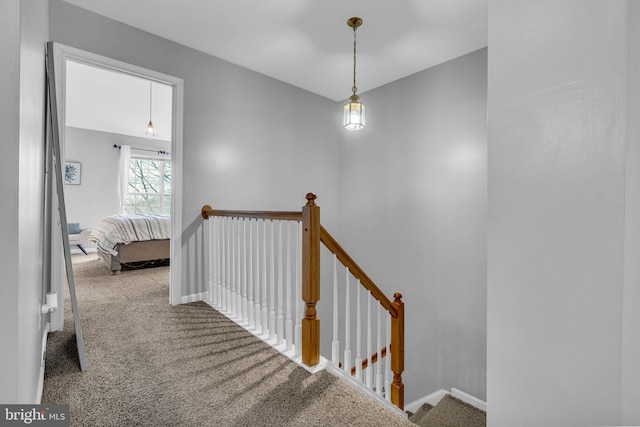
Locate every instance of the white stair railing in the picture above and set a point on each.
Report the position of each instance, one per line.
(335, 342)
(388, 373)
(347, 325)
(288, 324)
(245, 298)
(253, 265)
(250, 283)
(264, 312)
(257, 284)
(358, 363)
(376, 368)
(298, 299)
(369, 363)
(254, 260)
(280, 302)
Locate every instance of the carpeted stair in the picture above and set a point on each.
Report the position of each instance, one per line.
(449, 412)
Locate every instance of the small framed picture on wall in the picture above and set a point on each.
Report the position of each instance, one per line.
(72, 173)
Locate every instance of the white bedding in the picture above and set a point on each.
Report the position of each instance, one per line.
(125, 229)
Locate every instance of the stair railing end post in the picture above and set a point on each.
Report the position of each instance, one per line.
(397, 352)
(310, 281)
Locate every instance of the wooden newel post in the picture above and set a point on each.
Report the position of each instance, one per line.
(310, 281)
(205, 211)
(397, 352)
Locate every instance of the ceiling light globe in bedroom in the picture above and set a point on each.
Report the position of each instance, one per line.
(354, 114)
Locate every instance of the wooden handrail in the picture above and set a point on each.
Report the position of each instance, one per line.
(335, 248)
(207, 211)
(374, 359)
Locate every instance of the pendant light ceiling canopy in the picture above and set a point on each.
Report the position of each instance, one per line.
(354, 117)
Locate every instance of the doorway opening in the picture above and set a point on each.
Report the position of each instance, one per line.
(104, 108)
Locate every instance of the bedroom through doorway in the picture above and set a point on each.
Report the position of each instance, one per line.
(121, 142)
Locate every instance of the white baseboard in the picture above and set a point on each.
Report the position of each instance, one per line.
(471, 400)
(432, 399)
(435, 397)
(200, 296)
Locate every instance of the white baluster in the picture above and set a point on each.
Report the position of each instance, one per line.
(298, 299)
(230, 266)
(233, 256)
(387, 373)
(227, 270)
(250, 305)
(358, 334)
(214, 257)
(245, 269)
(379, 352)
(257, 279)
(219, 262)
(367, 373)
(265, 313)
(272, 285)
(347, 325)
(335, 344)
(238, 296)
(208, 236)
(279, 316)
(225, 254)
(239, 281)
(288, 322)
(234, 266)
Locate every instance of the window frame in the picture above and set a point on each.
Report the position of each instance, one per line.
(130, 209)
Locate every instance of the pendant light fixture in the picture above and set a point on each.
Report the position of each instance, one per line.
(150, 132)
(354, 109)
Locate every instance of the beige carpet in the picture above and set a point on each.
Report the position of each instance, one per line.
(449, 412)
(151, 364)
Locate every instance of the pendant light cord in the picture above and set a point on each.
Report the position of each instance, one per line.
(150, 99)
(354, 88)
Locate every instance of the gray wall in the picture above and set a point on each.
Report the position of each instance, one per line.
(631, 291)
(9, 119)
(23, 31)
(250, 142)
(562, 301)
(417, 178)
(413, 214)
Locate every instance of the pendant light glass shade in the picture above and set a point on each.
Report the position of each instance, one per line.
(354, 113)
(150, 132)
(354, 109)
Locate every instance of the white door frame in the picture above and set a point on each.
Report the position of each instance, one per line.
(62, 54)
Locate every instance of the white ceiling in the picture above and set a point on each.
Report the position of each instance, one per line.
(115, 102)
(307, 43)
